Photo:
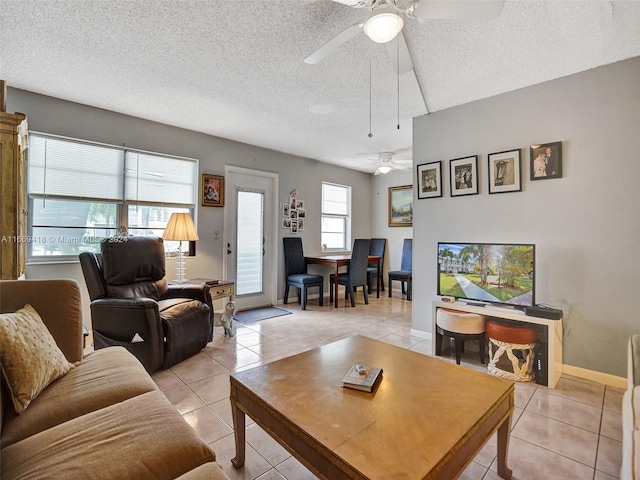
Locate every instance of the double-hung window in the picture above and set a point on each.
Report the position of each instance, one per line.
(336, 217)
(81, 192)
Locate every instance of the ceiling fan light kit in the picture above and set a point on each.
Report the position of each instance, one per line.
(383, 26)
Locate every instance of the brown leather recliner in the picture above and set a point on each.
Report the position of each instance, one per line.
(133, 306)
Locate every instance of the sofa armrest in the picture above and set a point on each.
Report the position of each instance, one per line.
(58, 303)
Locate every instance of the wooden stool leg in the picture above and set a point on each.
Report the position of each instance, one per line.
(438, 343)
(459, 347)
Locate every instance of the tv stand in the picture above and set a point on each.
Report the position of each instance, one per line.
(550, 338)
(476, 304)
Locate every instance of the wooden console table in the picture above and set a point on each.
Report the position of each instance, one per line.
(553, 331)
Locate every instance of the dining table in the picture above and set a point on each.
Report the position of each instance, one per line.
(337, 261)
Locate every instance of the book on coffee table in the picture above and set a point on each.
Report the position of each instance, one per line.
(358, 381)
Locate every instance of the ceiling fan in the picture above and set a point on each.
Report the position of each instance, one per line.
(386, 22)
(386, 163)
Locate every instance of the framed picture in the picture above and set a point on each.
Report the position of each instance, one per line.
(286, 223)
(546, 161)
(285, 209)
(504, 172)
(464, 176)
(401, 206)
(430, 180)
(212, 190)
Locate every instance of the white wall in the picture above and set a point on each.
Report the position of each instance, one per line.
(586, 226)
(55, 116)
(380, 219)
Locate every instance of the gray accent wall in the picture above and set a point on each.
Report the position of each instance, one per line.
(60, 117)
(586, 225)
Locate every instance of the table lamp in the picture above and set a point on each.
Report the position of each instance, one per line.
(180, 227)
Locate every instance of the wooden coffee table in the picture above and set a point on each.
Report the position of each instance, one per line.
(427, 419)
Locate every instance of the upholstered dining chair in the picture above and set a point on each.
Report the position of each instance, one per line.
(357, 274)
(404, 275)
(378, 247)
(295, 270)
(133, 306)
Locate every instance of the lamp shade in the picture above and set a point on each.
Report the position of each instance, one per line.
(383, 26)
(180, 227)
(384, 169)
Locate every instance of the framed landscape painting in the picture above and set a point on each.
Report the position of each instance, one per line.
(401, 206)
(430, 180)
(504, 172)
(464, 176)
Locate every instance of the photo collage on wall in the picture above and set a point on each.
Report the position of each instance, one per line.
(293, 213)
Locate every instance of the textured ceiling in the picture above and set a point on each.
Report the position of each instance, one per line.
(234, 68)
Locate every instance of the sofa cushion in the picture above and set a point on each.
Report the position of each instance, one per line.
(104, 377)
(206, 471)
(30, 357)
(142, 437)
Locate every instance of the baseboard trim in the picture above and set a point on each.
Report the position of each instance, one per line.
(606, 378)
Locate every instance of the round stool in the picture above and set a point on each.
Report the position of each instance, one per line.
(460, 326)
(507, 338)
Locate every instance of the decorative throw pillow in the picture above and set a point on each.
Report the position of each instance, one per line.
(29, 355)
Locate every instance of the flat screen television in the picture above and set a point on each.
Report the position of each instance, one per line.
(497, 273)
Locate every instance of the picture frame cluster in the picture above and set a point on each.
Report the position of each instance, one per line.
(294, 214)
(504, 172)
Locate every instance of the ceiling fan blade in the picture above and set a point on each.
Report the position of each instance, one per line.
(397, 49)
(377, 172)
(334, 43)
(355, 3)
(402, 167)
(462, 9)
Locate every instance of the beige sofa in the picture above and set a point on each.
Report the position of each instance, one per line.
(105, 418)
(631, 414)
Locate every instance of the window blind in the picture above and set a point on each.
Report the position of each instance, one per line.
(72, 169)
(158, 179)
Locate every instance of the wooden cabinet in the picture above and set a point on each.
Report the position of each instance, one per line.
(13, 195)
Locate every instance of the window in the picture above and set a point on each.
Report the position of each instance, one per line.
(81, 192)
(336, 217)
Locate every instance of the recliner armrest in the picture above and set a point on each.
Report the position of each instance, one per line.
(190, 290)
(193, 291)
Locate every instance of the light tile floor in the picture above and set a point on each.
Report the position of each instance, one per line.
(572, 432)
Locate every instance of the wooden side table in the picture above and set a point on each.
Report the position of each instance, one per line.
(219, 288)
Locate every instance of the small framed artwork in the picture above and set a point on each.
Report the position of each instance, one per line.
(300, 224)
(286, 223)
(430, 180)
(212, 190)
(401, 206)
(464, 176)
(285, 209)
(504, 172)
(546, 161)
(294, 226)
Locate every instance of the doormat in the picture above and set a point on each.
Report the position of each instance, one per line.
(257, 314)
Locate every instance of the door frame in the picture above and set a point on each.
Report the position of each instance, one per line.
(271, 277)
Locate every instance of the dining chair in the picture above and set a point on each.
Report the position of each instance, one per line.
(378, 247)
(296, 272)
(356, 276)
(404, 275)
